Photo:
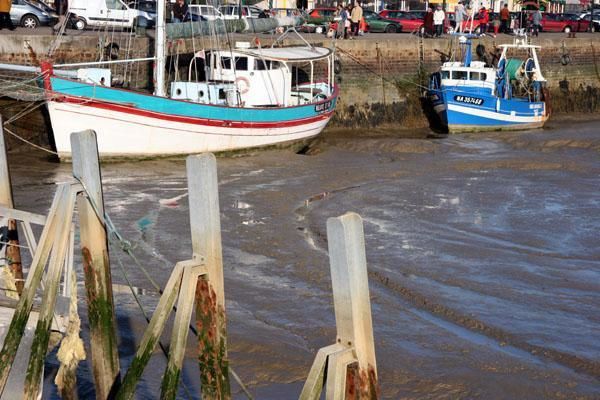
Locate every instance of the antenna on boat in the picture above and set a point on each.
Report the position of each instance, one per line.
(159, 46)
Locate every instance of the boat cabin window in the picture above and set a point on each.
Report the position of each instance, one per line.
(262, 65)
(478, 76)
(460, 75)
(241, 63)
(445, 74)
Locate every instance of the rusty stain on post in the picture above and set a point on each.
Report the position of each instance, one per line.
(212, 337)
(13, 252)
(205, 226)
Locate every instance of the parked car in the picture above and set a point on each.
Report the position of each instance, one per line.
(408, 21)
(231, 12)
(321, 15)
(595, 27)
(287, 12)
(108, 13)
(146, 6)
(563, 23)
(318, 19)
(376, 23)
(205, 11)
(28, 15)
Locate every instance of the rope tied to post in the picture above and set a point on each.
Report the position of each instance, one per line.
(115, 237)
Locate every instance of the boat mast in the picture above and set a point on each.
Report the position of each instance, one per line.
(159, 46)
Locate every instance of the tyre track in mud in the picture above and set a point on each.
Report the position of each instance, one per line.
(424, 304)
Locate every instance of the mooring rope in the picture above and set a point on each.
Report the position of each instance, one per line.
(29, 142)
(116, 238)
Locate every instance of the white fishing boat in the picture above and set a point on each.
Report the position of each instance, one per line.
(249, 96)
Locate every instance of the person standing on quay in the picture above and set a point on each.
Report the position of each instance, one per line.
(62, 9)
(180, 10)
(355, 17)
(459, 16)
(504, 19)
(484, 19)
(428, 23)
(536, 18)
(438, 21)
(5, 21)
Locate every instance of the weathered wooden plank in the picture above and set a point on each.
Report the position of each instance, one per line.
(314, 383)
(337, 366)
(352, 304)
(21, 315)
(13, 253)
(210, 296)
(185, 306)
(152, 334)
(22, 215)
(42, 332)
(29, 237)
(96, 264)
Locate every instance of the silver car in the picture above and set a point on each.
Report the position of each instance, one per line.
(28, 15)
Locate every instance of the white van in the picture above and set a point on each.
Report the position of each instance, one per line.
(207, 11)
(231, 11)
(111, 13)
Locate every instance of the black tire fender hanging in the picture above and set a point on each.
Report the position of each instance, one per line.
(337, 66)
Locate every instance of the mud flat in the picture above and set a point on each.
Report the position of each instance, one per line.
(483, 254)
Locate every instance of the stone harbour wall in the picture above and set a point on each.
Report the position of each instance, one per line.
(379, 74)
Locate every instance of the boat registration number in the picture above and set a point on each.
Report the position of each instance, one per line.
(469, 100)
(323, 107)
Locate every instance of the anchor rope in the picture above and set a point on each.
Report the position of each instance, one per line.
(117, 239)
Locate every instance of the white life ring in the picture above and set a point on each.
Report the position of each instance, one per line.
(245, 87)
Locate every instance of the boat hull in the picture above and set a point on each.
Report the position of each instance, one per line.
(121, 134)
(460, 111)
(135, 125)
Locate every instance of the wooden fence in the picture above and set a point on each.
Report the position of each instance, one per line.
(197, 282)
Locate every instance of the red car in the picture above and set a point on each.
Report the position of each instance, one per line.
(564, 23)
(409, 22)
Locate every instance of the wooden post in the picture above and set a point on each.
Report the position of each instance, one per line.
(39, 346)
(13, 253)
(21, 314)
(210, 298)
(352, 305)
(185, 306)
(354, 343)
(96, 264)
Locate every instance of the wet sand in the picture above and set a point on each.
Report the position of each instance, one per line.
(483, 255)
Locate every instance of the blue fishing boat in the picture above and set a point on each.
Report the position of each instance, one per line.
(470, 96)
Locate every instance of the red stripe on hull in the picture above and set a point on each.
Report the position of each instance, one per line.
(189, 120)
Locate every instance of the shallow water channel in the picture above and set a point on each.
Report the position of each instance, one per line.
(483, 253)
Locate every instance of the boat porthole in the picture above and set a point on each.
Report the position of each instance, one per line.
(178, 92)
(201, 94)
(565, 59)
